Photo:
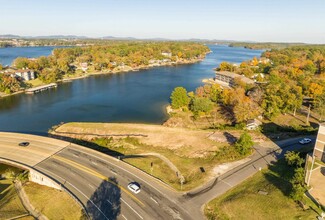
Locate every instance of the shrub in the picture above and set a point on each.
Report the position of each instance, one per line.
(244, 144)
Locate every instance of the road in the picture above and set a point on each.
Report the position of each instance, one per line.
(100, 181)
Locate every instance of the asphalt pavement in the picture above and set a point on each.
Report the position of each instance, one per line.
(99, 182)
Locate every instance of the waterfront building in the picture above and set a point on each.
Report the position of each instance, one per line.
(319, 149)
(25, 74)
(229, 78)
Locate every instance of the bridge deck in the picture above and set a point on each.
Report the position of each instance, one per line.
(39, 148)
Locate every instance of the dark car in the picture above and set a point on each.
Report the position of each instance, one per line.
(23, 144)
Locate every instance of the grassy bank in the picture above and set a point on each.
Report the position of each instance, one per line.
(53, 203)
(191, 151)
(10, 205)
(245, 201)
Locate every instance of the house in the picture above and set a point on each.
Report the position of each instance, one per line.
(25, 74)
(166, 54)
(229, 78)
(319, 149)
(84, 66)
(253, 124)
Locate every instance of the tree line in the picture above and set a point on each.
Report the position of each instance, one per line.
(101, 58)
(283, 79)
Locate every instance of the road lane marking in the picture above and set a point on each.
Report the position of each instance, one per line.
(226, 183)
(91, 186)
(131, 208)
(109, 202)
(124, 217)
(95, 173)
(154, 200)
(65, 181)
(115, 165)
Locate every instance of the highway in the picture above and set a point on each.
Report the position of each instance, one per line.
(97, 180)
(100, 181)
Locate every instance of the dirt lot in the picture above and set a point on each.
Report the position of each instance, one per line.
(188, 142)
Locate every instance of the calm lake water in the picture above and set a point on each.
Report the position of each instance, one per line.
(127, 97)
(7, 55)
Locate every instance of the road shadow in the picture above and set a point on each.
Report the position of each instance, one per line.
(278, 132)
(230, 138)
(88, 144)
(105, 203)
(279, 176)
(322, 170)
(133, 156)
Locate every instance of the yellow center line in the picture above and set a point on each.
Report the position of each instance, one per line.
(97, 174)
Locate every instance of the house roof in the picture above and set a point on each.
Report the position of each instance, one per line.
(24, 70)
(235, 75)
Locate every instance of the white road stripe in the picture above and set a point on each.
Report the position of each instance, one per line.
(154, 200)
(131, 208)
(124, 217)
(109, 202)
(123, 170)
(77, 190)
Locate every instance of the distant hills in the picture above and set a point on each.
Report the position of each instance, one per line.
(44, 37)
(10, 36)
(247, 43)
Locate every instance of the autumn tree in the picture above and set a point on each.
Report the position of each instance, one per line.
(9, 84)
(319, 105)
(201, 104)
(21, 62)
(179, 98)
(315, 90)
(225, 66)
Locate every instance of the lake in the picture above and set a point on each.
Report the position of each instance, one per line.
(7, 55)
(126, 97)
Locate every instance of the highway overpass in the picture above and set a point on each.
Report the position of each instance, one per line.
(99, 182)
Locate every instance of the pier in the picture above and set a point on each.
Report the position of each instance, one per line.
(40, 88)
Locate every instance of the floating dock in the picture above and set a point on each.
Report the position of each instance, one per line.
(41, 88)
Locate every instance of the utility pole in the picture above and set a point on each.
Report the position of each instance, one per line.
(307, 122)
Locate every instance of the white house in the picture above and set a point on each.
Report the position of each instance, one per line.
(25, 74)
(166, 54)
(253, 124)
(84, 66)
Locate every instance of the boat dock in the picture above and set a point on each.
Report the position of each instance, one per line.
(40, 88)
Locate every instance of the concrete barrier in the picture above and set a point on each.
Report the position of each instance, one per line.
(34, 175)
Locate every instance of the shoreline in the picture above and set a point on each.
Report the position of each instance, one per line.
(129, 69)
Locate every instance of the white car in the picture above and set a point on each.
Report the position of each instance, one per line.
(305, 141)
(134, 187)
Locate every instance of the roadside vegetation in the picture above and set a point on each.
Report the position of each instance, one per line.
(10, 204)
(269, 194)
(53, 203)
(195, 153)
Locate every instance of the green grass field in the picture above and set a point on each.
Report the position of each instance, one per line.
(244, 201)
(53, 203)
(10, 205)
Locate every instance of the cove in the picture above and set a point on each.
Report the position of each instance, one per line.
(139, 97)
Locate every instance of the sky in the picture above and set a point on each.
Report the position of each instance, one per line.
(241, 20)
